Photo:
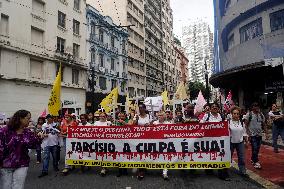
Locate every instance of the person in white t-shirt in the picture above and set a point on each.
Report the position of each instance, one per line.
(161, 120)
(238, 137)
(143, 119)
(103, 122)
(50, 145)
(83, 120)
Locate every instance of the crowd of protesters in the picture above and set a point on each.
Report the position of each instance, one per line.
(48, 136)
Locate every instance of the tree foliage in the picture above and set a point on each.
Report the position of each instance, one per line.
(195, 87)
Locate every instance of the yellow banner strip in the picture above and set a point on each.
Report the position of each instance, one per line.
(181, 165)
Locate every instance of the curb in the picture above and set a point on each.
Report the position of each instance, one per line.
(270, 144)
(258, 179)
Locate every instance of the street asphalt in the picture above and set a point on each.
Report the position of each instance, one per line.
(90, 179)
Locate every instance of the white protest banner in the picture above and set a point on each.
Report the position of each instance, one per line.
(175, 146)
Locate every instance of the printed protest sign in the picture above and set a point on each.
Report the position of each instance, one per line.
(173, 146)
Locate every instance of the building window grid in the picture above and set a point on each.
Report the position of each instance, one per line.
(76, 27)
(77, 4)
(112, 67)
(61, 19)
(75, 76)
(251, 30)
(101, 59)
(102, 83)
(60, 44)
(277, 20)
(76, 50)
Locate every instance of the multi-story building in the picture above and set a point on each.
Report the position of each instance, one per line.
(35, 37)
(154, 47)
(249, 36)
(107, 57)
(197, 39)
(130, 13)
(181, 63)
(170, 66)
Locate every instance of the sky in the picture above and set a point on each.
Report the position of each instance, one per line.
(185, 11)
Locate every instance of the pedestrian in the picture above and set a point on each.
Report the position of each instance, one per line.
(103, 122)
(277, 126)
(161, 120)
(142, 119)
(238, 138)
(50, 145)
(40, 122)
(122, 121)
(169, 116)
(15, 140)
(68, 121)
(91, 118)
(255, 121)
(211, 117)
(206, 110)
(83, 120)
(179, 117)
(189, 114)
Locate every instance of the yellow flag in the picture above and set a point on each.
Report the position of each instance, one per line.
(181, 92)
(165, 98)
(110, 100)
(54, 102)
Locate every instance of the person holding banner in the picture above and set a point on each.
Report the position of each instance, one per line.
(143, 119)
(15, 141)
(103, 122)
(67, 122)
(238, 137)
(212, 117)
(161, 120)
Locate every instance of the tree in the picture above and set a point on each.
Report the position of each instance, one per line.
(195, 87)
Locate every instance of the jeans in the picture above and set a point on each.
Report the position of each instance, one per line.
(240, 148)
(38, 153)
(47, 151)
(276, 131)
(255, 147)
(13, 178)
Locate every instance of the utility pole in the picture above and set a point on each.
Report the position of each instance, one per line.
(207, 82)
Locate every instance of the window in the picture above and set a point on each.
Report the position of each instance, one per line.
(76, 27)
(36, 37)
(38, 7)
(102, 82)
(112, 64)
(76, 49)
(231, 41)
(93, 56)
(113, 83)
(277, 20)
(112, 41)
(36, 69)
(101, 59)
(77, 4)
(61, 19)
(75, 76)
(60, 45)
(4, 24)
(62, 71)
(101, 35)
(124, 66)
(251, 30)
(122, 86)
(93, 29)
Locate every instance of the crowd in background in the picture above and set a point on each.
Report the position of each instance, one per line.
(48, 136)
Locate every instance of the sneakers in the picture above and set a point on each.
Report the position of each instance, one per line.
(65, 171)
(257, 165)
(165, 177)
(38, 162)
(103, 172)
(43, 174)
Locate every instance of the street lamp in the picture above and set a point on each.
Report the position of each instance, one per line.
(206, 81)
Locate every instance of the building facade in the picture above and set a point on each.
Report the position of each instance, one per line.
(247, 35)
(181, 62)
(154, 47)
(107, 57)
(170, 62)
(129, 13)
(34, 40)
(197, 39)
